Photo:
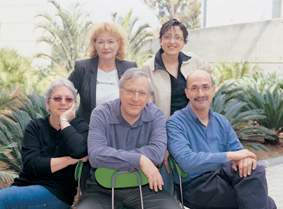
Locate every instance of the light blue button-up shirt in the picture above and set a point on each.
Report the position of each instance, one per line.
(197, 148)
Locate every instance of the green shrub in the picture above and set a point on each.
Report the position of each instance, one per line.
(16, 111)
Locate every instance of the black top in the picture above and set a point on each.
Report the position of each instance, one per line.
(178, 85)
(84, 79)
(178, 95)
(41, 143)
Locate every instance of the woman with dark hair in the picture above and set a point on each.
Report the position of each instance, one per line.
(170, 67)
(51, 147)
(97, 78)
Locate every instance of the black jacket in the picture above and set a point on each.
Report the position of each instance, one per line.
(84, 79)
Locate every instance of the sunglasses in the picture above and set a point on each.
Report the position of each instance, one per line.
(60, 99)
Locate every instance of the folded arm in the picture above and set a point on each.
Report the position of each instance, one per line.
(38, 160)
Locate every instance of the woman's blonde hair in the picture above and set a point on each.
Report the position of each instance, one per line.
(113, 29)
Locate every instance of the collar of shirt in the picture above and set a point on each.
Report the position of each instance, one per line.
(194, 116)
(158, 62)
(146, 115)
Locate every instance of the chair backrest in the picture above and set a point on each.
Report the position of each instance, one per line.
(181, 174)
(111, 178)
(108, 177)
(82, 173)
(78, 171)
(176, 168)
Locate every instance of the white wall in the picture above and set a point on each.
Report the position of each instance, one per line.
(260, 43)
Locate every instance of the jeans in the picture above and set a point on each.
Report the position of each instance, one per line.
(29, 197)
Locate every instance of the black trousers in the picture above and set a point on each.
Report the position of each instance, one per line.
(225, 189)
(97, 197)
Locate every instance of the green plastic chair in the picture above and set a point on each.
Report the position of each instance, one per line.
(113, 179)
(180, 173)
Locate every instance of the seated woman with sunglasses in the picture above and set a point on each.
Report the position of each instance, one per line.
(51, 147)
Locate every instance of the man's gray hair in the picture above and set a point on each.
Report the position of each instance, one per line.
(60, 82)
(134, 73)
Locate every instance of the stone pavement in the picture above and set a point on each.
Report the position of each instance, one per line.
(274, 174)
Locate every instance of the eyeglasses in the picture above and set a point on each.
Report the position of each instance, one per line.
(203, 88)
(175, 38)
(60, 99)
(132, 93)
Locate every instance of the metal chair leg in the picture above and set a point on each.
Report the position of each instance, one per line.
(113, 198)
(141, 196)
(180, 183)
(113, 184)
(181, 191)
(139, 178)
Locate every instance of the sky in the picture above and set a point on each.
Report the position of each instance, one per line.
(17, 17)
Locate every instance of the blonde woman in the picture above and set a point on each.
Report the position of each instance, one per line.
(97, 78)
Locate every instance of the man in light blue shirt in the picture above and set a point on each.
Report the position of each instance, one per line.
(221, 174)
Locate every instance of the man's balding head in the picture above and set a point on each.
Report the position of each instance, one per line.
(199, 73)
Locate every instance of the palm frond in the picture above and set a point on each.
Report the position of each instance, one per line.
(7, 177)
(66, 34)
(139, 35)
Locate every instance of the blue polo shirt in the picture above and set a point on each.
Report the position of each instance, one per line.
(198, 148)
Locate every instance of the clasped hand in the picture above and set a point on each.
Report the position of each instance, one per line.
(243, 161)
(69, 114)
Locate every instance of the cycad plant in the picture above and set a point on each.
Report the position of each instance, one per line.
(14, 116)
(265, 93)
(6, 176)
(233, 71)
(228, 103)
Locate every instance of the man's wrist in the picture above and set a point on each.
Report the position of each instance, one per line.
(229, 156)
(141, 160)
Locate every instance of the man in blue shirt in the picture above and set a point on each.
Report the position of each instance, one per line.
(128, 134)
(221, 174)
